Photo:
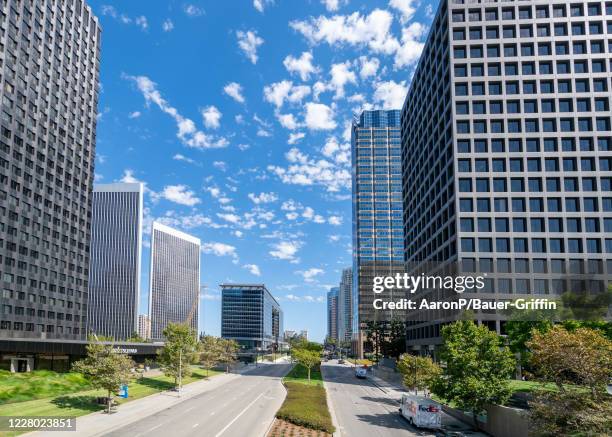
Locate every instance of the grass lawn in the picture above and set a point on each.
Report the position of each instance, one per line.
(83, 402)
(18, 387)
(299, 374)
(306, 403)
(529, 386)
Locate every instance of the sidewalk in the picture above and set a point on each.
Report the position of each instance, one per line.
(451, 425)
(100, 423)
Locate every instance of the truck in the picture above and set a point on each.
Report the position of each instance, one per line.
(421, 412)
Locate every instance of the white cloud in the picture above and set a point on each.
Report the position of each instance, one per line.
(220, 249)
(287, 121)
(295, 137)
(279, 92)
(319, 117)
(411, 47)
(180, 194)
(211, 116)
(340, 76)
(304, 170)
(193, 10)
(333, 5)
(263, 198)
(390, 95)
(221, 165)
(249, 42)
(167, 25)
(406, 8)
(334, 220)
(134, 114)
(261, 4)
(286, 250)
(369, 66)
(372, 31)
(187, 131)
(253, 269)
(128, 177)
(142, 22)
(302, 66)
(234, 90)
(179, 157)
(310, 274)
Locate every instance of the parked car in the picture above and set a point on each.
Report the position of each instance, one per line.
(361, 372)
(421, 412)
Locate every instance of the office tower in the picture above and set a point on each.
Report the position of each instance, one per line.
(290, 334)
(114, 269)
(378, 243)
(144, 326)
(345, 305)
(304, 334)
(506, 147)
(251, 316)
(332, 313)
(50, 62)
(174, 281)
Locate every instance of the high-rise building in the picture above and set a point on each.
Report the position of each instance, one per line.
(174, 280)
(304, 334)
(144, 326)
(345, 305)
(114, 270)
(507, 148)
(378, 240)
(251, 316)
(50, 61)
(332, 313)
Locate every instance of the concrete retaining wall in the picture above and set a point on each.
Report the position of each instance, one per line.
(501, 421)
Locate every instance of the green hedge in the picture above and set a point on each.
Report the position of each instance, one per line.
(306, 405)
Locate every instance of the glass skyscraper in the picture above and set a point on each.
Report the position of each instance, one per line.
(507, 148)
(378, 239)
(332, 313)
(174, 281)
(50, 60)
(114, 272)
(251, 316)
(345, 306)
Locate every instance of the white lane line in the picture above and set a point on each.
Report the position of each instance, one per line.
(238, 416)
(189, 409)
(195, 425)
(155, 427)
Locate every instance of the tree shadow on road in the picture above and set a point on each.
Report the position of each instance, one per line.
(382, 400)
(391, 421)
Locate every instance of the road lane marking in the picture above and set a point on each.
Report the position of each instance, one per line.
(238, 416)
(155, 427)
(195, 425)
(189, 409)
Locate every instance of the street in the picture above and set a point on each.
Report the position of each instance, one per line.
(361, 408)
(242, 407)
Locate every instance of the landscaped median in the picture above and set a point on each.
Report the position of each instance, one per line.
(305, 411)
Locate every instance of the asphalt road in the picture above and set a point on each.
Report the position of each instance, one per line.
(242, 407)
(361, 408)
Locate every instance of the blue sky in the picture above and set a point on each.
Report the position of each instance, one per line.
(235, 113)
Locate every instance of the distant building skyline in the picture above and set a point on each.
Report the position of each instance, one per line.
(251, 316)
(174, 280)
(115, 261)
(144, 326)
(332, 313)
(345, 305)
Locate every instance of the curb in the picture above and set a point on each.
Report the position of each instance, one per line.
(330, 406)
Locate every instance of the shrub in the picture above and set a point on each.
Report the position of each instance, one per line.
(306, 405)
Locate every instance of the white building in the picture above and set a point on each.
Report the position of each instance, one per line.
(174, 280)
(144, 326)
(114, 272)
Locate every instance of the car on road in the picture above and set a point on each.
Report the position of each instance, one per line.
(341, 361)
(421, 412)
(361, 372)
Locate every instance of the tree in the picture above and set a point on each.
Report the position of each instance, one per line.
(210, 351)
(179, 352)
(419, 373)
(477, 367)
(105, 368)
(579, 362)
(228, 350)
(396, 344)
(307, 358)
(136, 338)
(582, 357)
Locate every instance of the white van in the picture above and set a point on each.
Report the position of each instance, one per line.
(421, 412)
